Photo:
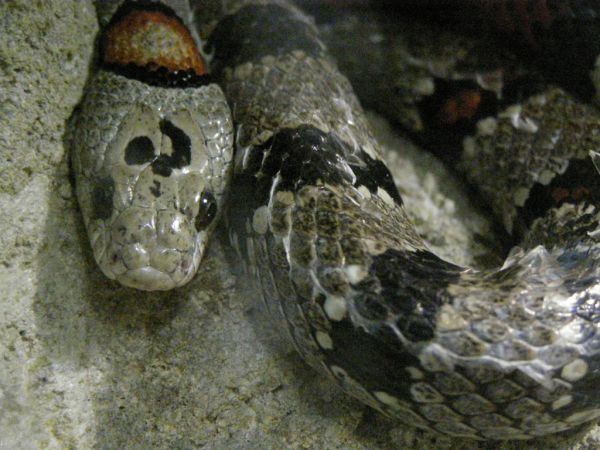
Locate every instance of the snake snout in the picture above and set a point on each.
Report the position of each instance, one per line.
(151, 249)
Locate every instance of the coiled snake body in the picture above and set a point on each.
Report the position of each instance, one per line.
(510, 353)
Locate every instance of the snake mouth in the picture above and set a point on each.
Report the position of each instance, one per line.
(147, 278)
(154, 270)
(150, 270)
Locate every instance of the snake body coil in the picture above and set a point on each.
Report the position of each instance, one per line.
(511, 353)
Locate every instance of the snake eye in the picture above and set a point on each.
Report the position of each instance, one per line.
(206, 212)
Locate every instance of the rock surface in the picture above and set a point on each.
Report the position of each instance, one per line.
(89, 364)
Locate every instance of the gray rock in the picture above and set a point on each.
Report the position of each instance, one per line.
(89, 364)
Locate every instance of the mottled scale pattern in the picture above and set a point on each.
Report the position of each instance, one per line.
(396, 63)
(508, 353)
(496, 354)
(520, 130)
(276, 80)
(553, 121)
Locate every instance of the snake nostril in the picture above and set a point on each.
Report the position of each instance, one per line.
(206, 212)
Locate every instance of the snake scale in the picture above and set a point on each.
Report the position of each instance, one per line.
(505, 353)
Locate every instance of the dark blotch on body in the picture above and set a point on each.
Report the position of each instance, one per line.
(299, 157)
(304, 155)
(374, 174)
(375, 359)
(396, 287)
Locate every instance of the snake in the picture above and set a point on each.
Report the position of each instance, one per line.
(234, 110)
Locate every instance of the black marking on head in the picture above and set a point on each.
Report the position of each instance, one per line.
(155, 190)
(409, 285)
(373, 174)
(164, 164)
(139, 150)
(256, 31)
(207, 211)
(182, 144)
(102, 198)
(161, 76)
(579, 184)
(161, 166)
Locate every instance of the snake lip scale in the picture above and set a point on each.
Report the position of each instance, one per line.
(508, 353)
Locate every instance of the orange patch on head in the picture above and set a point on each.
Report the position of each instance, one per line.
(150, 38)
(463, 105)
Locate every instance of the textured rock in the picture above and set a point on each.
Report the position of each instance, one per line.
(89, 364)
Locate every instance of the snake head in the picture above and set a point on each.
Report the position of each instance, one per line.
(151, 150)
(154, 201)
(151, 167)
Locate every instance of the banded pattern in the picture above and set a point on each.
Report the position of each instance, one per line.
(480, 355)
(510, 353)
